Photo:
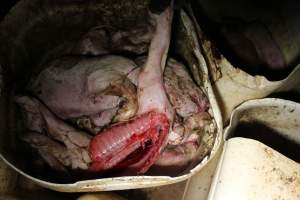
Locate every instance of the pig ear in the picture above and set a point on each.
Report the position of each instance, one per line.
(158, 6)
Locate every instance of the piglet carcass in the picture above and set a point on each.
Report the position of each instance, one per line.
(188, 127)
(73, 96)
(89, 91)
(141, 113)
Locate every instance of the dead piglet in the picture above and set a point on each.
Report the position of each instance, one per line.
(191, 122)
(91, 92)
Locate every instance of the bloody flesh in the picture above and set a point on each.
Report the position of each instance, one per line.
(147, 131)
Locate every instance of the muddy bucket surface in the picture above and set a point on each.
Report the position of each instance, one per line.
(262, 147)
(260, 156)
(39, 30)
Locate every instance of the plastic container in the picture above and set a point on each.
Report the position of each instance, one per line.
(33, 26)
(261, 158)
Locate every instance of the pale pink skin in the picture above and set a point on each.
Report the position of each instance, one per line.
(151, 91)
(79, 90)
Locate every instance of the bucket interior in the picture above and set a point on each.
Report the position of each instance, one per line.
(274, 123)
(36, 31)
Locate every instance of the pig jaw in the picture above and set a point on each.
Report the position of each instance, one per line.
(138, 146)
